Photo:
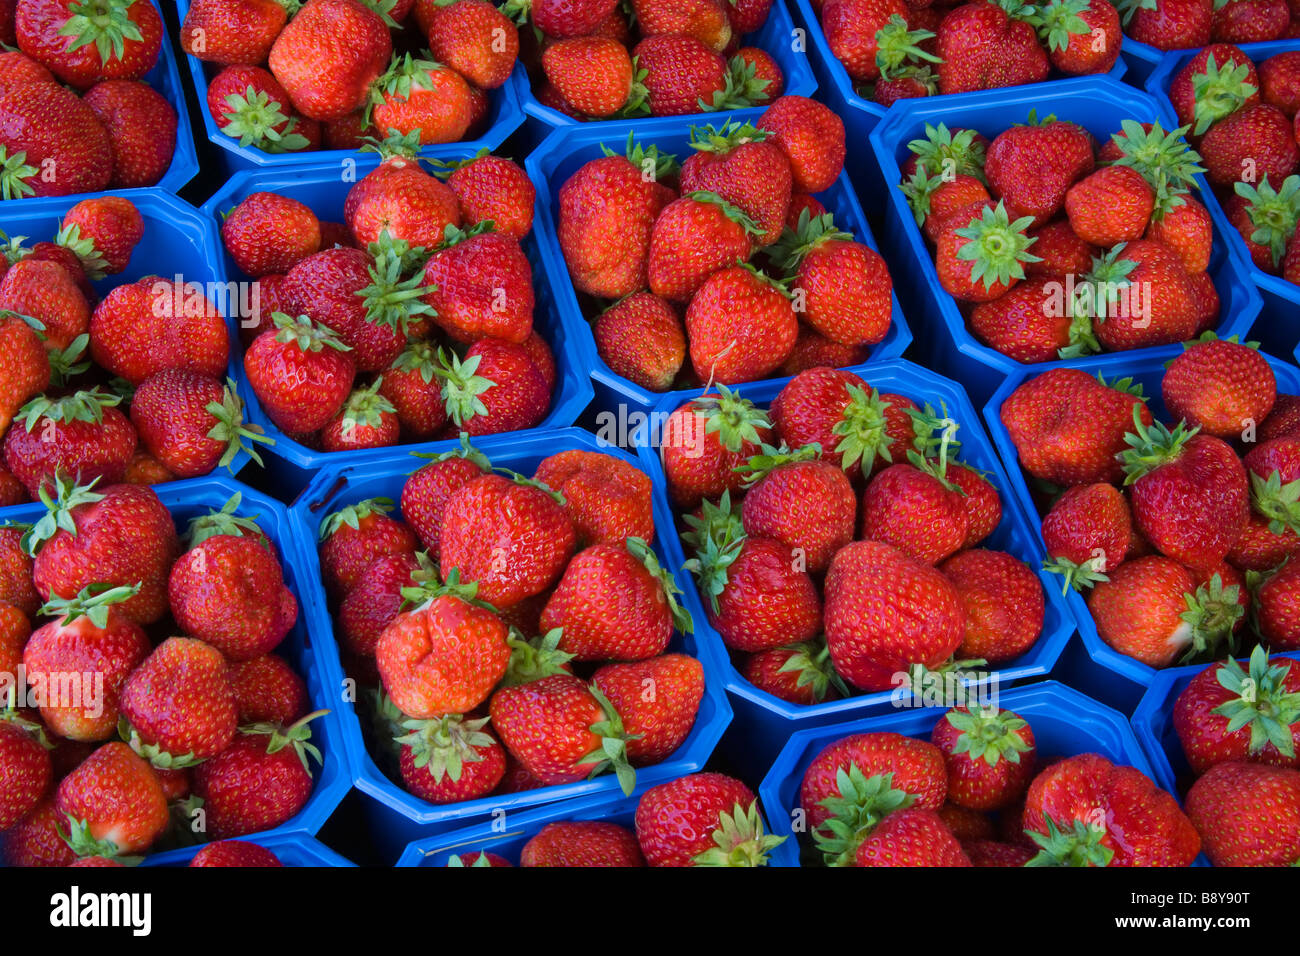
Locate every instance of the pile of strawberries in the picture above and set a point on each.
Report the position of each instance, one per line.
(704, 819)
(1188, 24)
(836, 538)
(75, 113)
(978, 793)
(410, 321)
(1238, 728)
(1180, 534)
(72, 362)
(722, 258)
(1054, 247)
(599, 59)
(420, 68)
(127, 737)
(894, 50)
(472, 617)
(1245, 118)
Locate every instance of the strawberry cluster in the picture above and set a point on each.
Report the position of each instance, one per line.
(704, 819)
(1180, 534)
(894, 50)
(730, 260)
(853, 558)
(76, 115)
(72, 362)
(472, 617)
(977, 793)
(127, 739)
(1055, 248)
(418, 68)
(410, 321)
(1244, 118)
(1189, 24)
(598, 59)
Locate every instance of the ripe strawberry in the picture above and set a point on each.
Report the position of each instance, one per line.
(1031, 322)
(641, 338)
(473, 37)
(856, 33)
(113, 803)
(449, 759)
(248, 104)
(1003, 604)
(1279, 81)
(232, 31)
(916, 510)
(910, 837)
(425, 102)
(155, 324)
(1247, 814)
(492, 188)
(1081, 36)
(192, 423)
(804, 503)
(582, 843)
(1250, 21)
(726, 350)
(706, 440)
(694, 237)
(856, 427)
(259, 782)
(980, 252)
(569, 18)
(141, 128)
(1186, 228)
(374, 602)
(118, 41)
(742, 165)
(427, 491)
(1266, 219)
(178, 704)
(25, 771)
(657, 700)
(14, 632)
(980, 499)
(269, 233)
(798, 673)
(358, 45)
(607, 498)
(16, 585)
(885, 612)
(79, 434)
(400, 198)
(706, 20)
(355, 536)
(267, 691)
(1277, 607)
(46, 126)
(366, 420)
(1170, 24)
(1087, 534)
(981, 47)
(1219, 80)
(1068, 427)
(812, 138)
(1111, 205)
(498, 387)
(1221, 387)
(989, 755)
(300, 372)
(47, 293)
(234, 853)
(593, 73)
(1020, 174)
(26, 366)
(480, 284)
(683, 75)
(1086, 811)
(1252, 143)
(703, 819)
(1059, 250)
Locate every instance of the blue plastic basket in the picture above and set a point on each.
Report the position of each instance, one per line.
(775, 36)
(1153, 722)
(1064, 721)
(1278, 328)
(292, 849)
(567, 150)
(1096, 103)
(861, 115)
(396, 816)
(765, 721)
(177, 240)
(503, 106)
(1096, 667)
(318, 185)
(197, 496)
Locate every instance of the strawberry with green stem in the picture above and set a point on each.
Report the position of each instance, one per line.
(1081, 36)
(84, 41)
(112, 805)
(450, 759)
(1213, 85)
(694, 237)
(300, 372)
(193, 423)
(981, 252)
(989, 754)
(366, 420)
(395, 297)
(703, 819)
(250, 106)
(420, 97)
(704, 441)
(799, 673)
(83, 433)
(1268, 218)
(948, 153)
(534, 658)
(901, 63)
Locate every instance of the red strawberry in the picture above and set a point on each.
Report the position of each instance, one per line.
(36, 840)
(1059, 250)
(683, 75)
(744, 166)
(570, 18)
(916, 510)
(248, 104)
(854, 30)
(24, 770)
(1221, 387)
(1277, 607)
(374, 602)
(726, 350)
(592, 73)
(492, 188)
(989, 754)
(641, 338)
(424, 102)
(400, 198)
(694, 237)
(16, 585)
(1110, 205)
(26, 366)
(1266, 219)
(366, 420)
(267, 691)
(981, 501)
(192, 423)
(1186, 228)
(427, 491)
(1032, 322)
(911, 838)
(141, 128)
(1219, 80)
(156, 324)
(1021, 175)
(269, 233)
(480, 284)
(473, 37)
(1247, 814)
(353, 537)
(46, 126)
(812, 138)
(980, 252)
(657, 700)
(119, 41)
(806, 504)
(113, 803)
(704, 819)
(300, 372)
(358, 46)
(582, 843)
(498, 387)
(1250, 21)
(1087, 534)
(1003, 603)
(450, 760)
(232, 31)
(1171, 24)
(234, 853)
(981, 47)
(1252, 143)
(46, 292)
(607, 498)
(797, 673)
(705, 441)
(1080, 36)
(993, 853)
(1279, 81)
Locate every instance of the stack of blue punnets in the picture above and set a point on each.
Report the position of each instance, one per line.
(604, 384)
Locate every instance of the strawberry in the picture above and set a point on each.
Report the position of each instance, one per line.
(348, 35)
(914, 508)
(656, 699)
(1031, 323)
(26, 365)
(357, 535)
(798, 673)
(192, 423)
(1111, 205)
(885, 612)
(444, 656)
(694, 237)
(812, 138)
(683, 75)
(513, 538)
(497, 387)
(582, 843)
(374, 602)
(593, 73)
(1068, 427)
(427, 492)
(115, 40)
(1250, 21)
(981, 47)
(450, 759)
(607, 498)
(566, 18)
(1247, 814)
(1220, 387)
(1266, 218)
(640, 337)
(989, 754)
(155, 324)
(1087, 533)
(607, 211)
(706, 20)
(480, 284)
(472, 37)
(14, 632)
(141, 128)
(804, 503)
(855, 426)
(1252, 143)
(742, 165)
(36, 840)
(46, 126)
(980, 252)
(910, 837)
(1142, 296)
(267, 690)
(16, 585)
(46, 292)
(366, 420)
(300, 372)
(495, 189)
(1219, 80)
(1086, 811)
(706, 440)
(426, 101)
(703, 819)
(1003, 604)
(1029, 184)
(1274, 467)
(400, 198)
(1277, 608)
(80, 434)
(24, 769)
(234, 853)
(1186, 228)
(269, 233)
(855, 33)
(1279, 81)
(1081, 36)
(756, 71)
(259, 782)
(799, 202)
(980, 499)
(1227, 713)
(560, 731)
(1060, 252)
(178, 704)
(993, 853)
(1169, 24)
(113, 803)
(232, 31)
(728, 351)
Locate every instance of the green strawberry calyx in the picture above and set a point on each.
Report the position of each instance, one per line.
(1163, 159)
(1128, 385)
(739, 839)
(83, 247)
(863, 430)
(723, 139)
(153, 753)
(1060, 21)
(714, 555)
(735, 420)
(390, 299)
(1213, 614)
(612, 752)
(231, 429)
(989, 734)
(223, 522)
(860, 804)
(1080, 335)
(732, 212)
(59, 503)
(351, 516)
(453, 235)
(809, 233)
(386, 720)
(464, 450)
(306, 335)
(66, 364)
(1080, 576)
(997, 247)
(421, 357)
(897, 46)
(12, 248)
(639, 549)
(455, 859)
(718, 521)
(86, 405)
(742, 88)
(254, 118)
(442, 746)
(78, 837)
(934, 438)
(943, 153)
(91, 602)
(1152, 446)
(462, 387)
(654, 165)
(365, 408)
(534, 659)
(811, 662)
(770, 458)
(406, 74)
(1273, 212)
(1079, 844)
(15, 175)
(1219, 91)
(105, 23)
(395, 146)
(637, 104)
(1261, 702)
(428, 585)
(297, 735)
(1277, 501)
(919, 188)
